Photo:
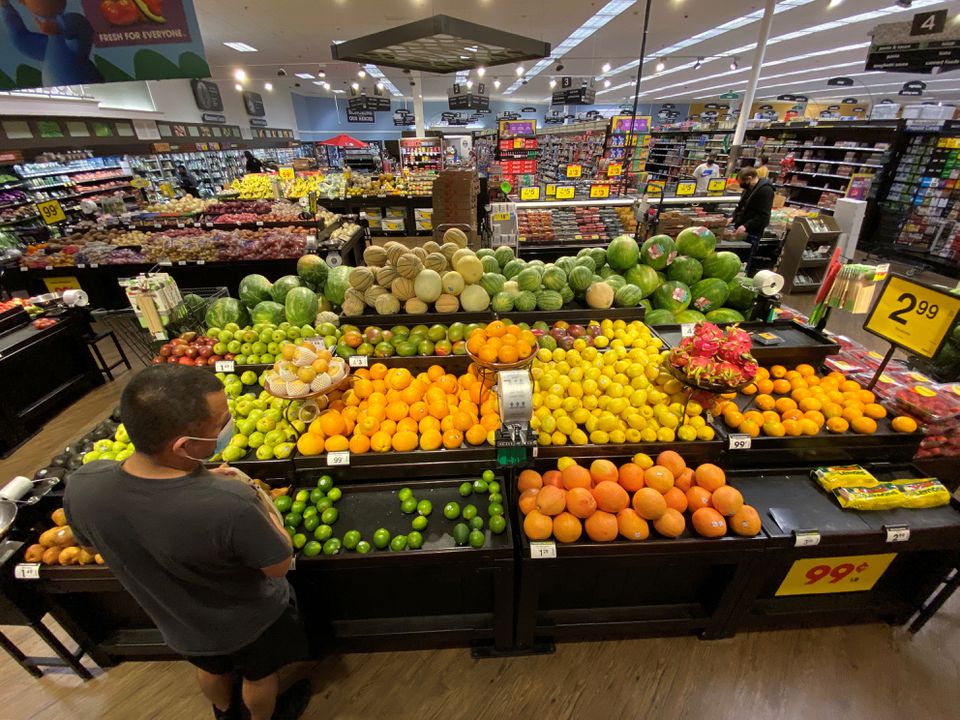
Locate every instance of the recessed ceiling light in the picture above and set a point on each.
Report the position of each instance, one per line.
(321, 74)
(355, 86)
(496, 84)
(238, 87)
(519, 70)
(268, 86)
(380, 86)
(469, 84)
(239, 75)
(481, 71)
(660, 66)
(305, 76)
(553, 83)
(472, 48)
(361, 74)
(339, 92)
(464, 57)
(319, 82)
(326, 86)
(606, 83)
(606, 67)
(240, 47)
(834, 3)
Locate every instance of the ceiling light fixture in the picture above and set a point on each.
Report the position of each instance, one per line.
(239, 75)
(305, 76)
(734, 64)
(606, 67)
(553, 83)
(355, 86)
(833, 3)
(321, 74)
(606, 83)
(481, 71)
(469, 84)
(519, 70)
(375, 72)
(238, 87)
(268, 86)
(496, 84)
(361, 74)
(660, 66)
(380, 86)
(240, 47)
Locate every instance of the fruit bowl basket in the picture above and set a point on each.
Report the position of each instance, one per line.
(718, 388)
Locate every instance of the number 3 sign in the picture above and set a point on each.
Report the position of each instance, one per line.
(913, 316)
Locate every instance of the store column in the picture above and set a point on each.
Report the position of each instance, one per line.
(758, 54)
(418, 103)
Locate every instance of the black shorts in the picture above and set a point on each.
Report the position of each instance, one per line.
(282, 643)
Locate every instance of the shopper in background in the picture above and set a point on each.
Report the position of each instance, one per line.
(253, 165)
(762, 170)
(704, 172)
(753, 211)
(187, 182)
(199, 550)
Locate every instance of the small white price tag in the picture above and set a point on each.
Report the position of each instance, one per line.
(358, 361)
(179, 225)
(224, 366)
(259, 223)
(805, 538)
(165, 263)
(80, 266)
(739, 441)
(898, 534)
(94, 265)
(181, 262)
(686, 329)
(27, 571)
(341, 457)
(201, 262)
(48, 267)
(317, 342)
(543, 550)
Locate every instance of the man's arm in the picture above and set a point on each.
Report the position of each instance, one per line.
(259, 541)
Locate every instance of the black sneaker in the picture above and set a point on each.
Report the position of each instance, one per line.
(235, 711)
(293, 702)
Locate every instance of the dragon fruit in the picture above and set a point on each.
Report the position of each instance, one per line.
(736, 346)
(712, 356)
(705, 346)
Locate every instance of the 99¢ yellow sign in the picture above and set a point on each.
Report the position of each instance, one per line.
(286, 173)
(913, 316)
(820, 576)
(51, 211)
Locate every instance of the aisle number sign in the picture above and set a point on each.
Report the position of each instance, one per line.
(574, 171)
(686, 188)
(913, 316)
(614, 170)
(51, 211)
(824, 575)
(286, 173)
(530, 193)
(599, 191)
(716, 186)
(565, 192)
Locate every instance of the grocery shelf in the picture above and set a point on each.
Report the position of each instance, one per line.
(70, 172)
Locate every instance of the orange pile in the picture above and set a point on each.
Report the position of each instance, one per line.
(394, 410)
(800, 402)
(607, 501)
(501, 343)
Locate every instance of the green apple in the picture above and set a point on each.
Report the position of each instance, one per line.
(225, 336)
(240, 359)
(307, 331)
(274, 437)
(293, 333)
(263, 380)
(246, 348)
(267, 359)
(272, 348)
(213, 332)
(278, 336)
(219, 347)
(103, 446)
(118, 446)
(233, 346)
(284, 325)
(232, 327)
(122, 435)
(274, 412)
(250, 335)
(246, 426)
(240, 440)
(253, 359)
(108, 456)
(90, 456)
(258, 348)
(249, 377)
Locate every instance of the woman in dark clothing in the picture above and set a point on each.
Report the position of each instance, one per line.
(753, 211)
(187, 182)
(253, 165)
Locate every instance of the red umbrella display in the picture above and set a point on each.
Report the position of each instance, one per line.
(343, 141)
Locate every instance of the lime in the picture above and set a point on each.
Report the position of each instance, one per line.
(465, 489)
(309, 511)
(414, 540)
(408, 505)
(494, 509)
(299, 540)
(425, 507)
(323, 532)
(298, 507)
(381, 538)
(332, 546)
(363, 547)
(498, 524)
(283, 503)
(351, 539)
(476, 539)
(325, 483)
(324, 504)
(476, 523)
(479, 486)
(419, 523)
(493, 487)
(293, 519)
(302, 496)
(451, 511)
(461, 533)
(291, 531)
(398, 543)
(404, 494)
(495, 498)
(488, 476)
(312, 548)
(316, 495)
(330, 515)
(335, 494)
(469, 512)
(311, 522)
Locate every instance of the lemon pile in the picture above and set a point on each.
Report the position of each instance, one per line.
(620, 395)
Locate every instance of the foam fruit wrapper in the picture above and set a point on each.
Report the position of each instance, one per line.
(841, 476)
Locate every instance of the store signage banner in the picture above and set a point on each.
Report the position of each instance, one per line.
(360, 116)
(365, 102)
(253, 102)
(926, 44)
(404, 118)
(48, 43)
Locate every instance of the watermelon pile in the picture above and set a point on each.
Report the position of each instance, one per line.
(292, 298)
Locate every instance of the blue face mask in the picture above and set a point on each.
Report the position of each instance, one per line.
(223, 439)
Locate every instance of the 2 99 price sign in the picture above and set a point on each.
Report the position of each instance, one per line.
(913, 316)
(821, 576)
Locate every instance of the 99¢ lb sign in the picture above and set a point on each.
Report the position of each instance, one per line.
(821, 576)
(913, 316)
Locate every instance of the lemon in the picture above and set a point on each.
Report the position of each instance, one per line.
(563, 367)
(566, 425)
(607, 422)
(603, 401)
(617, 405)
(638, 398)
(672, 385)
(548, 424)
(633, 370)
(537, 400)
(570, 404)
(580, 415)
(558, 355)
(601, 341)
(655, 397)
(552, 401)
(576, 374)
(618, 437)
(535, 423)
(575, 391)
(694, 408)
(665, 434)
(564, 462)
(643, 460)
(647, 434)
(646, 411)
(589, 354)
(652, 372)
(590, 402)
(541, 412)
(637, 422)
(558, 438)
(687, 433)
(633, 436)
(543, 438)
(579, 437)
(697, 422)
(599, 437)
(705, 433)
(615, 390)
(579, 344)
(591, 424)
(676, 408)
(590, 386)
(544, 355)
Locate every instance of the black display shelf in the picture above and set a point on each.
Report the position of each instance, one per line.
(374, 467)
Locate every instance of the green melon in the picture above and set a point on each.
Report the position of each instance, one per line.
(644, 277)
(686, 269)
(615, 281)
(566, 263)
(658, 251)
(580, 278)
(673, 296)
(587, 262)
(528, 279)
(598, 255)
(627, 296)
(724, 265)
(709, 294)
(490, 264)
(526, 301)
(659, 317)
(503, 254)
(697, 242)
(502, 302)
(742, 293)
(492, 283)
(554, 278)
(623, 253)
(724, 316)
(566, 293)
(689, 316)
(513, 268)
(549, 300)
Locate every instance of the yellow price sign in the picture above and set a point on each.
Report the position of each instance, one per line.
(286, 173)
(60, 284)
(614, 170)
(51, 211)
(656, 187)
(551, 190)
(599, 191)
(686, 188)
(574, 171)
(501, 216)
(824, 575)
(913, 316)
(565, 192)
(517, 143)
(716, 186)
(530, 193)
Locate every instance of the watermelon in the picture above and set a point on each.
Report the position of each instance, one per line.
(697, 242)
(566, 294)
(580, 278)
(526, 301)
(644, 277)
(549, 300)
(659, 317)
(492, 283)
(686, 269)
(627, 296)
(269, 312)
(490, 264)
(742, 293)
(615, 281)
(623, 252)
(658, 251)
(709, 294)
(724, 316)
(313, 269)
(284, 285)
(502, 302)
(254, 289)
(337, 283)
(724, 265)
(645, 304)
(193, 302)
(673, 296)
(689, 316)
(528, 279)
(301, 306)
(513, 268)
(587, 262)
(598, 255)
(566, 263)
(606, 271)
(503, 254)
(554, 278)
(484, 252)
(226, 310)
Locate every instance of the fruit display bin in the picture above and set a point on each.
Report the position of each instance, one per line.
(374, 467)
(568, 314)
(695, 452)
(801, 343)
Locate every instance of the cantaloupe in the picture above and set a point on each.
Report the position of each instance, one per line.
(447, 304)
(403, 289)
(409, 266)
(361, 278)
(415, 306)
(387, 305)
(386, 275)
(428, 286)
(436, 261)
(375, 256)
(456, 236)
(460, 254)
(600, 296)
(394, 251)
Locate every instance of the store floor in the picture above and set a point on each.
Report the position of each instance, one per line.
(870, 672)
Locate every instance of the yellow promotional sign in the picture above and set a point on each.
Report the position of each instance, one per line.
(599, 191)
(286, 173)
(59, 284)
(716, 186)
(821, 576)
(551, 190)
(530, 193)
(655, 187)
(614, 170)
(913, 316)
(501, 216)
(686, 188)
(517, 143)
(565, 192)
(51, 211)
(574, 171)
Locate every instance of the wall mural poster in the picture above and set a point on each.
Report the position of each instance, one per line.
(48, 43)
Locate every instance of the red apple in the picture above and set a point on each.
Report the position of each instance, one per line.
(186, 361)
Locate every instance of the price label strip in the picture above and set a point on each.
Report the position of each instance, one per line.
(599, 191)
(913, 316)
(501, 216)
(686, 188)
(739, 441)
(897, 533)
(823, 575)
(225, 366)
(358, 361)
(551, 190)
(27, 571)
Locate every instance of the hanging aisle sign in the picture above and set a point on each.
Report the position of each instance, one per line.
(82, 42)
(926, 44)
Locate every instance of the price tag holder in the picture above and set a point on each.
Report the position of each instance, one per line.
(317, 342)
(823, 575)
(565, 192)
(27, 571)
(739, 441)
(897, 533)
(165, 263)
(599, 191)
(686, 188)
(913, 316)
(51, 211)
(226, 366)
(574, 171)
(806, 538)
(614, 170)
(687, 329)
(543, 550)
(335, 459)
(358, 361)
(286, 173)
(181, 262)
(530, 193)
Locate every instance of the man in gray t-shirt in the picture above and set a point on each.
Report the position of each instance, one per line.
(199, 550)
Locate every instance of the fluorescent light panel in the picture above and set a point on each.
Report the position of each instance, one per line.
(375, 72)
(240, 47)
(305, 76)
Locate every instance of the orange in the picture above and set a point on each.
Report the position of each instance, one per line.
(774, 429)
(429, 423)
(332, 423)
(528, 500)
(875, 411)
(864, 425)
(849, 385)
(683, 481)
(496, 329)
(476, 435)
(746, 522)
(435, 372)
(431, 440)
(418, 411)
(800, 394)
(581, 502)
(754, 415)
(576, 476)
(448, 383)
(408, 425)
(733, 418)
(509, 340)
(805, 369)
(610, 496)
(508, 354)
(487, 355)
(808, 426)
(658, 478)
(816, 416)
(529, 479)
(411, 394)
(792, 415)
(851, 413)
(671, 524)
(553, 477)
(462, 421)
(831, 410)
(602, 527)
(770, 416)
(764, 402)
(630, 477)
(671, 461)
(866, 397)
(765, 386)
(631, 526)
(551, 500)
(490, 421)
(709, 523)
(398, 410)
(676, 499)
(537, 526)
(398, 378)
(698, 497)
(439, 410)
(452, 439)
(524, 349)
(359, 444)
(475, 344)
(362, 388)
(837, 425)
(380, 442)
(791, 427)
(727, 500)
(604, 470)
(749, 389)
(710, 476)
(750, 427)
(778, 371)
(785, 404)
(310, 444)
(904, 424)
(810, 403)
(782, 387)
(649, 504)
(567, 528)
